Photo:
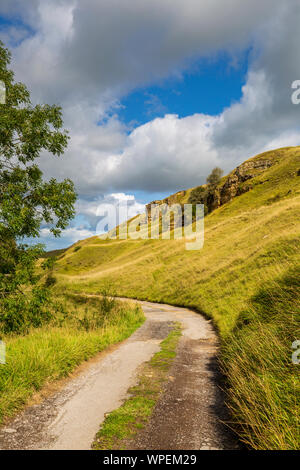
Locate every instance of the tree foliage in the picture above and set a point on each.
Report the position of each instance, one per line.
(27, 200)
(197, 195)
(215, 176)
(205, 194)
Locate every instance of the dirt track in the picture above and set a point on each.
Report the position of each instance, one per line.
(189, 414)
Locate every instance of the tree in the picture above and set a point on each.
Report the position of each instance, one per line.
(215, 176)
(26, 199)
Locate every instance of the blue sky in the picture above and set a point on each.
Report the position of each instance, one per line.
(211, 85)
(155, 94)
(22, 29)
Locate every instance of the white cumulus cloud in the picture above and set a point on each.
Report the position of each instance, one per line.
(87, 55)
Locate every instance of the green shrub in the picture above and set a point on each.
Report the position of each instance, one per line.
(198, 195)
(107, 300)
(20, 312)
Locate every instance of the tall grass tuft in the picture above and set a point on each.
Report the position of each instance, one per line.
(263, 381)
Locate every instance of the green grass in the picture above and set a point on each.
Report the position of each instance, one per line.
(251, 246)
(264, 384)
(53, 352)
(122, 424)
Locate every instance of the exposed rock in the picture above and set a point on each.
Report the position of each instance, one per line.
(149, 206)
(233, 186)
(173, 199)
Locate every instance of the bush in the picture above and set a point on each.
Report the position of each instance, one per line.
(24, 301)
(107, 299)
(198, 195)
(95, 311)
(19, 312)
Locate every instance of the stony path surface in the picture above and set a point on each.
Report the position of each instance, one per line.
(189, 414)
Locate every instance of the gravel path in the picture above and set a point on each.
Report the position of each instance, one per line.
(189, 414)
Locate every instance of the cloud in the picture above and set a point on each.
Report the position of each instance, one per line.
(115, 208)
(154, 105)
(265, 110)
(71, 235)
(99, 50)
(88, 55)
(90, 210)
(173, 152)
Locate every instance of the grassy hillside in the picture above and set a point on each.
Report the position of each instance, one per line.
(246, 278)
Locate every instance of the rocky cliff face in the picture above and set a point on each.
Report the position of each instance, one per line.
(234, 184)
(173, 199)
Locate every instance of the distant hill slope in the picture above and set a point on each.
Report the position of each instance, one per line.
(246, 278)
(241, 180)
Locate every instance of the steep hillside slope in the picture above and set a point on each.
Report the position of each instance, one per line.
(246, 278)
(230, 186)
